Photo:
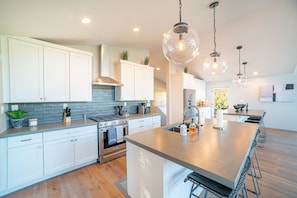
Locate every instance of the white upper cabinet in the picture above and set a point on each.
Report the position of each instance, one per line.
(137, 80)
(200, 89)
(45, 72)
(26, 71)
(126, 77)
(80, 77)
(56, 74)
(144, 83)
(188, 81)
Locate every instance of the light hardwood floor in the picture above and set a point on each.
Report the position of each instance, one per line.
(278, 161)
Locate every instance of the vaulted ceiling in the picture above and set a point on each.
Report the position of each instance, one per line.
(266, 29)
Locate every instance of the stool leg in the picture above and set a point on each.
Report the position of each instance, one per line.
(255, 180)
(258, 166)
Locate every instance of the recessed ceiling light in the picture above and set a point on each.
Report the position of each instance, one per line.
(86, 20)
(255, 73)
(136, 29)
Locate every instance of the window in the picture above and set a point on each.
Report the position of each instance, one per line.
(220, 97)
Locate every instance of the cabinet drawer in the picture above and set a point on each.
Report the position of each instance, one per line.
(87, 130)
(140, 122)
(59, 134)
(24, 140)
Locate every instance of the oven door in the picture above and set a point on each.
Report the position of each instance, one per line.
(112, 139)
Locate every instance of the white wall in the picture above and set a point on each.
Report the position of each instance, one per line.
(279, 115)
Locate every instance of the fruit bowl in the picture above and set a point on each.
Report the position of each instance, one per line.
(239, 107)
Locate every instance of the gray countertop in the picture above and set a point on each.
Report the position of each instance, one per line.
(44, 127)
(216, 154)
(250, 112)
(10, 132)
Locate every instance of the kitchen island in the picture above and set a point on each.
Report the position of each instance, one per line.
(242, 116)
(158, 160)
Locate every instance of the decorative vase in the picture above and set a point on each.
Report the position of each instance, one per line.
(17, 123)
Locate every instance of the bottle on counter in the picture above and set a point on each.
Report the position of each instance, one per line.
(192, 127)
(183, 129)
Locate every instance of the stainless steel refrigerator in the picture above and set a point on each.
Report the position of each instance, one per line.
(189, 99)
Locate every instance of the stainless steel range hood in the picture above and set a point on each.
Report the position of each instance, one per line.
(105, 68)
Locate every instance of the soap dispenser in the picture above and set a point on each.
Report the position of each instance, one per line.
(183, 129)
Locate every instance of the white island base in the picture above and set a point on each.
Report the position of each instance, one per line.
(149, 175)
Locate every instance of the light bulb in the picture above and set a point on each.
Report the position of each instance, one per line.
(181, 43)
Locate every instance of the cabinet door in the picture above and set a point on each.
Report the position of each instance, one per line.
(188, 81)
(58, 155)
(80, 77)
(25, 163)
(26, 71)
(126, 92)
(156, 121)
(139, 84)
(149, 83)
(56, 75)
(86, 148)
(3, 164)
(144, 83)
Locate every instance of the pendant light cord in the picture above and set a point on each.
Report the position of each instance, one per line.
(214, 29)
(180, 11)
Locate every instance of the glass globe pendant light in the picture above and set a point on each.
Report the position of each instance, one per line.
(215, 64)
(238, 78)
(180, 45)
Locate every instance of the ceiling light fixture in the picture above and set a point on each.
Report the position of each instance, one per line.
(136, 29)
(238, 78)
(215, 64)
(180, 44)
(86, 20)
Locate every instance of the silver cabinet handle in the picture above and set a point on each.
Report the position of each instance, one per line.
(26, 140)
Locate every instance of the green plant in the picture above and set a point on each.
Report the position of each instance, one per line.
(125, 55)
(146, 60)
(16, 114)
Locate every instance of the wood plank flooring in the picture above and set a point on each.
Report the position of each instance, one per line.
(278, 161)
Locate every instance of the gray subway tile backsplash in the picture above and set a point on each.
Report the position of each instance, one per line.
(102, 104)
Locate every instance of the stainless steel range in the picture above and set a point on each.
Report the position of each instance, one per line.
(111, 132)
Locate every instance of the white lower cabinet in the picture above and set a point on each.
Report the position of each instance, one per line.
(156, 121)
(24, 159)
(65, 149)
(144, 123)
(3, 164)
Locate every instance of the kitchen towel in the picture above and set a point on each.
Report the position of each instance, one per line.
(111, 136)
(220, 118)
(120, 136)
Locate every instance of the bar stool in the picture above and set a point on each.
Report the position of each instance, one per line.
(252, 171)
(217, 188)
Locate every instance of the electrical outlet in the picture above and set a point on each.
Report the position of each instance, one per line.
(14, 107)
(65, 105)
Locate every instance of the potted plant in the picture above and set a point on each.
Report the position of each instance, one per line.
(146, 60)
(16, 118)
(125, 55)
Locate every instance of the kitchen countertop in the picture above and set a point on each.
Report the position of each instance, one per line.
(250, 112)
(10, 132)
(45, 127)
(215, 154)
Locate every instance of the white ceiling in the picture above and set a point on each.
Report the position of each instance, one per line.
(266, 29)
